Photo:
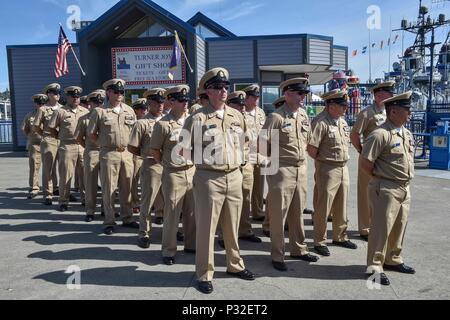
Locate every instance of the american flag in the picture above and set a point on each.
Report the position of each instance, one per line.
(61, 67)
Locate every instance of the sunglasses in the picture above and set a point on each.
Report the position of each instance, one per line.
(180, 100)
(300, 93)
(55, 92)
(121, 92)
(219, 87)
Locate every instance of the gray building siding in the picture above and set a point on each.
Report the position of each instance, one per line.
(339, 59)
(31, 69)
(235, 56)
(319, 51)
(280, 51)
(201, 58)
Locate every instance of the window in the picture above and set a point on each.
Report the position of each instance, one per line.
(205, 32)
(146, 28)
(269, 95)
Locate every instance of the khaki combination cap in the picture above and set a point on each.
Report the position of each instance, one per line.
(215, 76)
(140, 104)
(253, 90)
(279, 102)
(52, 88)
(73, 91)
(97, 96)
(84, 99)
(114, 84)
(336, 96)
(156, 94)
(178, 92)
(40, 99)
(237, 97)
(385, 86)
(296, 84)
(401, 100)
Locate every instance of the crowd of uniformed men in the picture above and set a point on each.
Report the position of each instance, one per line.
(212, 178)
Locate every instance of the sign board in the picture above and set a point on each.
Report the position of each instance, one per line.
(146, 66)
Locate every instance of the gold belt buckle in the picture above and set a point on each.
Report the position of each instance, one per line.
(121, 149)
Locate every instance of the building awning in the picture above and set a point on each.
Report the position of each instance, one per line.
(318, 74)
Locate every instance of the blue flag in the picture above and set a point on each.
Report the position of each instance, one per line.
(176, 58)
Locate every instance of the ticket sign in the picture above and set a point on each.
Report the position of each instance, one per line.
(146, 66)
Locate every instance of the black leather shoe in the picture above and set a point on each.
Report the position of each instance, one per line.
(83, 204)
(32, 196)
(144, 243)
(364, 237)
(159, 221)
(48, 202)
(205, 287)
(346, 244)
(108, 231)
(306, 257)
(180, 237)
(402, 268)
(259, 219)
(89, 219)
(63, 208)
(330, 219)
(131, 225)
(56, 192)
(169, 261)
(190, 251)
(244, 275)
(72, 198)
(322, 250)
(308, 211)
(266, 233)
(381, 278)
(251, 238)
(221, 244)
(280, 266)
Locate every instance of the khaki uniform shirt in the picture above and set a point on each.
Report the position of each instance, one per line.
(294, 134)
(165, 137)
(368, 120)
(113, 129)
(255, 122)
(43, 118)
(331, 137)
(141, 135)
(28, 126)
(209, 131)
(66, 120)
(392, 151)
(82, 131)
(195, 108)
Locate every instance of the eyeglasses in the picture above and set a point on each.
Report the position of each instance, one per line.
(219, 87)
(121, 92)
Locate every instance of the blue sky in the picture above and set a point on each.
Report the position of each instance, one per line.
(36, 22)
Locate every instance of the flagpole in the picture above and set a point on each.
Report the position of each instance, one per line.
(370, 58)
(182, 50)
(390, 43)
(76, 58)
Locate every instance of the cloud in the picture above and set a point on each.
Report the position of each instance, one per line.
(41, 33)
(244, 9)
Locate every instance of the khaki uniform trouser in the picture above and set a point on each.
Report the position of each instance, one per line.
(116, 171)
(135, 199)
(258, 193)
(34, 160)
(363, 202)
(70, 163)
(218, 195)
(389, 205)
(91, 172)
(151, 177)
(286, 202)
(332, 186)
(179, 198)
(49, 157)
(245, 226)
(159, 205)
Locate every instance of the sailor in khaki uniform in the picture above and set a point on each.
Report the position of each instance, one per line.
(110, 128)
(141, 109)
(34, 144)
(202, 101)
(236, 100)
(49, 144)
(328, 146)
(288, 186)
(255, 118)
(177, 175)
(63, 124)
(388, 157)
(151, 172)
(367, 121)
(91, 155)
(266, 224)
(216, 134)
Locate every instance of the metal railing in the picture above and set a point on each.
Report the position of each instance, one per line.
(6, 136)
